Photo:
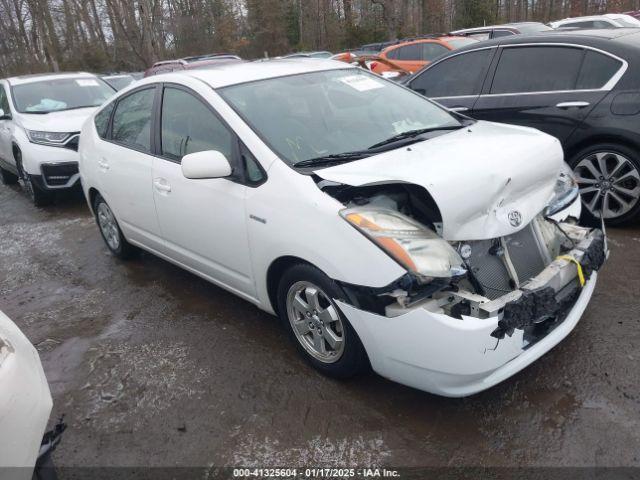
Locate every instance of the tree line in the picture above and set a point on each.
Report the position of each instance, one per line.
(130, 35)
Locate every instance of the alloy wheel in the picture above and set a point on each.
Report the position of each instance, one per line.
(609, 184)
(108, 226)
(316, 322)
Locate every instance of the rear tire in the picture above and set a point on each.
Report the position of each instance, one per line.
(110, 230)
(7, 177)
(609, 179)
(320, 331)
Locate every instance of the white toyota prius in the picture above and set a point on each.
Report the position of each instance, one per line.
(384, 230)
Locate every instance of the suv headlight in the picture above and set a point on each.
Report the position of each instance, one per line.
(47, 138)
(412, 245)
(564, 193)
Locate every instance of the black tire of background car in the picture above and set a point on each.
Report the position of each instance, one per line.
(125, 250)
(7, 177)
(40, 198)
(587, 218)
(354, 358)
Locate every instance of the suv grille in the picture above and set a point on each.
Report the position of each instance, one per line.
(487, 261)
(56, 175)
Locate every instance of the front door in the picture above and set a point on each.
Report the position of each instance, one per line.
(456, 81)
(203, 221)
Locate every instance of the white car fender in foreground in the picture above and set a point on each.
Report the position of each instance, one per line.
(25, 402)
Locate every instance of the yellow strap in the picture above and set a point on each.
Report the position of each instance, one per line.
(569, 258)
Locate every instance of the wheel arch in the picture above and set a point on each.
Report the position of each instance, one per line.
(93, 193)
(274, 274)
(574, 149)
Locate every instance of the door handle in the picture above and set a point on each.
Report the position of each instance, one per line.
(103, 164)
(459, 109)
(162, 185)
(565, 105)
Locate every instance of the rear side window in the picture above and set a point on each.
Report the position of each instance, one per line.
(537, 69)
(597, 70)
(480, 35)
(502, 33)
(132, 120)
(455, 76)
(410, 52)
(102, 120)
(431, 51)
(189, 126)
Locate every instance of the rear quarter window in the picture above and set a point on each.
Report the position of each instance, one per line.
(597, 70)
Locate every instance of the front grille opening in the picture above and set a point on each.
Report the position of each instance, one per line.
(57, 175)
(489, 267)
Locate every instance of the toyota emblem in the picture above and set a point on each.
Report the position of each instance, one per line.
(515, 218)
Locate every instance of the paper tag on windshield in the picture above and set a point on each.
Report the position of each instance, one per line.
(362, 83)
(87, 82)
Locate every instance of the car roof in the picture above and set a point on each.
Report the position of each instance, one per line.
(513, 25)
(37, 77)
(226, 74)
(588, 37)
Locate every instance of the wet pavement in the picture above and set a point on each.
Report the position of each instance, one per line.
(153, 366)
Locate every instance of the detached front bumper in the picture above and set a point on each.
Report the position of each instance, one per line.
(438, 353)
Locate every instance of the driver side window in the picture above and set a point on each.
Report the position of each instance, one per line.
(189, 126)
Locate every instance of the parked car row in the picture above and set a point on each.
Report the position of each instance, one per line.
(385, 230)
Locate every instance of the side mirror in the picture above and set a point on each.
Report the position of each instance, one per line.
(207, 164)
(4, 116)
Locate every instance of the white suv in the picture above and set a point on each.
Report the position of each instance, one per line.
(609, 20)
(40, 121)
(382, 228)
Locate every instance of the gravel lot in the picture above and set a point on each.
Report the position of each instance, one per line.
(153, 366)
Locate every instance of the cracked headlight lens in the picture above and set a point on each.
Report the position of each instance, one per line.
(565, 192)
(45, 138)
(412, 245)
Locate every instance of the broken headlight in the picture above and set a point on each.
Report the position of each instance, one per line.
(564, 193)
(411, 244)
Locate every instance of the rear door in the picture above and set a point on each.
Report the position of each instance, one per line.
(546, 86)
(456, 81)
(125, 163)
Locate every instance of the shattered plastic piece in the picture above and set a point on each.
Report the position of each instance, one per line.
(595, 255)
(530, 308)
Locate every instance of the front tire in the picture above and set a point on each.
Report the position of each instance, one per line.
(110, 230)
(39, 197)
(609, 180)
(320, 331)
(7, 177)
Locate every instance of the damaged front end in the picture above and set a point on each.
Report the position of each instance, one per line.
(527, 281)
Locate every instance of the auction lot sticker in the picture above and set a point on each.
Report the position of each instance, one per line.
(362, 83)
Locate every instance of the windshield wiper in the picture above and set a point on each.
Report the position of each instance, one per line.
(332, 159)
(413, 134)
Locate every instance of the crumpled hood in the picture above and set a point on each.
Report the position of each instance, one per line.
(477, 176)
(64, 121)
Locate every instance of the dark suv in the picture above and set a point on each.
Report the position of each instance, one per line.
(583, 87)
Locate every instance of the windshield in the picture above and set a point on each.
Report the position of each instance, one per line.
(46, 96)
(331, 112)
